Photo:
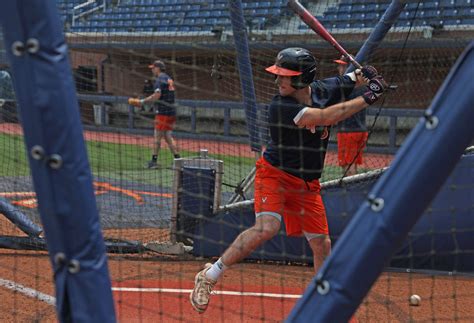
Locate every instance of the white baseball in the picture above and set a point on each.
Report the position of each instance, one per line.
(415, 300)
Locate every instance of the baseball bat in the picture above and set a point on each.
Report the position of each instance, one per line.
(319, 29)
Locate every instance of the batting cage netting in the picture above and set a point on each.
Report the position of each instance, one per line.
(175, 103)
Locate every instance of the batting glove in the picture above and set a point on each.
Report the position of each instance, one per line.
(135, 102)
(376, 88)
(369, 72)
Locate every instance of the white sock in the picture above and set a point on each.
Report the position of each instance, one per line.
(216, 270)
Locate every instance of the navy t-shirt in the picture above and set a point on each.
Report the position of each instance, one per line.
(357, 122)
(297, 151)
(165, 105)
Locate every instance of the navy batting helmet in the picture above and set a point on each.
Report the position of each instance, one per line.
(296, 62)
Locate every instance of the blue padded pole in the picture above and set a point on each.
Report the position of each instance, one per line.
(245, 71)
(395, 203)
(19, 219)
(380, 30)
(57, 155)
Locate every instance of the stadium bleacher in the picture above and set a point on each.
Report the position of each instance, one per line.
(172, 15)
(360, 14)
(185, 15)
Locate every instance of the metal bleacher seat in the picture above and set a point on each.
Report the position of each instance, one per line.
(407, 15)
(446, 3)
(403, 23)
(205, 13)
(466, 12)
(274, 11)
(200, 21)
(216, 13)
(330, 16)
(429, 13)
(450, 12)
(446, 22)
(344, 17)
(358, 24)
(426, 5)
(371, 7)
(261, 12)
(467, 21)
(331, 10)
(359, 8)
(344, 8)
(357, 16)
(369, 16)
(463, 3)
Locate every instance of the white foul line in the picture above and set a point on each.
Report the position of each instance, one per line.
(217, 292)
(28, 291)
(51, 300)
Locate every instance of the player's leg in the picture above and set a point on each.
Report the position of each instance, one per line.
(268, 206)
(314, 223)
(361, 139)
(356, 145)
(320, 245)
(172, 144)
(266, 226)
(342, 150)
(157, 136)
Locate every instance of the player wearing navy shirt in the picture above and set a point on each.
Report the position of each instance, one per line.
(287, 176)
(352, 132)
(294, 150)
(165, 110)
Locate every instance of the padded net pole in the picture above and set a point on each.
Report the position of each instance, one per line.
(245, 71)
(395, 203)
(58, 160)
(389, 18)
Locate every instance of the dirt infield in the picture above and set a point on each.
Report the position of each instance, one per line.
(148, 289)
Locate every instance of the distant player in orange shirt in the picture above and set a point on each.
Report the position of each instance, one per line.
(165, 110)
(287, 176)
(351, 132)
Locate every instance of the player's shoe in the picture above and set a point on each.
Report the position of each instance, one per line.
(202, 290)
(152, 164)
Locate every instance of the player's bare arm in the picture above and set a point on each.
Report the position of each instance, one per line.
(326, 117)
(152, 98)
(149, 99)
(310, 117)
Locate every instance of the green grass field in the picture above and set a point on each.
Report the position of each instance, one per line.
(127, 162)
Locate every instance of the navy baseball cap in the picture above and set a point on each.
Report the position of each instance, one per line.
(158, 64)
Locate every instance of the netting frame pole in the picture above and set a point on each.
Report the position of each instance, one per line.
(245, 71)
(378, 34)
(395, 203)
(57, 156)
